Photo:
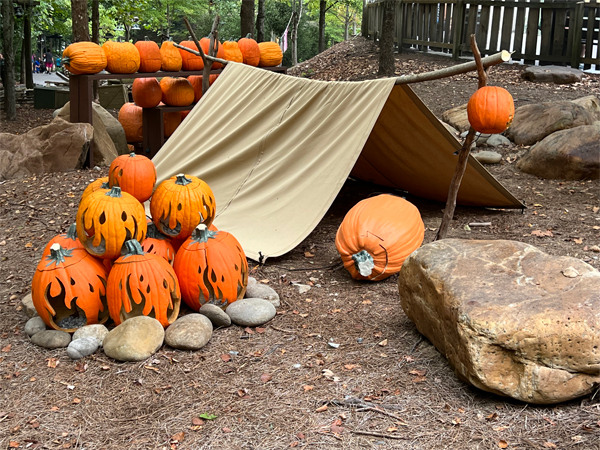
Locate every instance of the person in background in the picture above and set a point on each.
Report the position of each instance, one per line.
(33, 60)
(49, 61)
(57, 62)
(37, 65)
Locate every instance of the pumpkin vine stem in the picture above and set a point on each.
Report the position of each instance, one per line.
(72, 232)
(202, 234)
(115, 191)
(363, 262)
(132, 154)
(182, 180)
(105, 185)
(58, 254)
(131, 247)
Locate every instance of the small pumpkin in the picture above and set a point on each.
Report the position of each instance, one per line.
(171, 120)
(69, 289)
(377, 235)
(170, 57)
(150, 60)
(158, 244)
(121, 57)
(180, 204)
(270, 54)
(131, 118)
(134, 174)
(67, 241)
(100, 183)
(142, 284)
(205, 44)
(491, 110)
(189, 61)
(250, 51)
(232, 52)
(105, 220)
(196, 82)
(82, 58)
(176, 91)
(212, 268)
(146, 92)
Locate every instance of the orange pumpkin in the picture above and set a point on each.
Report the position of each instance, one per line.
(131, 119)
(150, 60)
(170, 57)
(205, 44)
(158, 244)
(100, 183)
(377, 235)
(212, 268)
(176, 91)
(67, 241)
(134, 174)
(180, 204)
(250, 51)
(83, 58)
(171, 120)
(232, 52)
(177, 243)
(184, 114)
(146, 92)
(270, 54)
(142, 283)
(190, 61)
(491, 110)
(121, 57)
(69, 289)
(196, 82)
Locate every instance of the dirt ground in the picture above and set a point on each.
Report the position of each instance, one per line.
(264, 388)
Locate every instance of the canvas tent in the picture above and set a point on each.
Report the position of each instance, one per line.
(277, 149)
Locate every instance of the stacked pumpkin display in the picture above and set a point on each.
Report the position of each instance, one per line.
(113, 263)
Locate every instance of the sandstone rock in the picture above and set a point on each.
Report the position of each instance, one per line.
(82, 347)
(97, 331)
(591, 103)
(506, 317)
(51, 339)
(552, 74)
(487, 157)
(216, 315)
(28, 308)
(191, 332)
(457, 118)
(532, 123)
(263, 291)
(496, 140)
(251, 312)
(135, 339)
(34, 326)
(572, 154)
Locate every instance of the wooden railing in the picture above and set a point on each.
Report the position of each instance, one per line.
(551, 33)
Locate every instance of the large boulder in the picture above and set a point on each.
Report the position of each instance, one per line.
(552, 74)
(532, 123)
(457, 118)
(509, 318)
(59, 146)
(572, 154)
(591, 103)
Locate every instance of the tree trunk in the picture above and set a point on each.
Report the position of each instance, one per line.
(27, 45)
(295, 21)
(22, 63)
(247, 18)
(364, 25)
(79, 17)
(346, 22)
(96, 39)
(260, 22)
(322, 11)
(386, 42)
(127, 32)
(8, 31)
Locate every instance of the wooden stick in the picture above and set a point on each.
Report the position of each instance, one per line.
(383, 411)
(214, 33)
(195, 39)
(211, 58)
(369, 433)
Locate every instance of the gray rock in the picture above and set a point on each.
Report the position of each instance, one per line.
(496, 140)
(263, 291)
(251, 281)
(591, 103)
(453, 131)
(82, 347)
(216, 315)
(251, 312)
(191, 332)
(552, 74)
(51, 339)
(27, 303)
(302, 288)
(135, 339)
(457, 118)
(569, 154)
(487, 157)
(506, 317)
(96, 331)
(34, 325)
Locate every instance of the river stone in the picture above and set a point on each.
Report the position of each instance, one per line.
(506, 317)
(28, 307)
(96, 331)
(457, 118)
(496, 140)
(135, 339)
(191, 332)
(552, 74)
(591, 103)
(51, 339)
(251, 281)
(453, 131)
(487, 157)
(572, 154)
(263, 291)
(34, 326)
(251, 312)
(532, 123)
(82, 347)
(216, 315)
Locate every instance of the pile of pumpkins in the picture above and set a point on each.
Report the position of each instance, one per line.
(115, 263)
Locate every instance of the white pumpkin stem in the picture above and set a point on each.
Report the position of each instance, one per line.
(364, 263)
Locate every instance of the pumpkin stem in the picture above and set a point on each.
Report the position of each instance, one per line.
(131, 247)
(182, 179)
(115, 191)
(249, 36)
(105, 185)
(132, 154)
(58, 254)
(363, 263)
(72, 232)
(202, 234)
(153, 232)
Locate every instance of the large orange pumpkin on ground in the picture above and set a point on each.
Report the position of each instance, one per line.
(83, 58)
(270, 54)
(131, 119)
(146, 92)
(491, 110)
(121, 57)
(134, 174)
(377, 235)
(196, 82)
(176, 91)
(150, 60)
(250, 51)
(170, 57)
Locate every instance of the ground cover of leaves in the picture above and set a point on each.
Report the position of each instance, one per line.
(282, 385)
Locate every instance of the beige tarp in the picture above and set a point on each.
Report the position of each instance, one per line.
(277, 149)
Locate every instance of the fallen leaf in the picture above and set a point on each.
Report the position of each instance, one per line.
(265, 377)
(549, 445)
(392, 429)
(14, 444)
(578, 240)
(249, 330)
(226, 430)
(419, 379)
(540, 233)
(457, 421)
(337, 429)
(259, 330)
(28, 245)
(383, 343)
(321, 409)
(7, 348)
(76, 401)
(294, 444)
(207, 416)
(502, 443)
(308, 254)
(34, 424)
(178, 436)
(595, 209)
(349, 366)
(420, 373)
(197, 421)
(226, 358)
(367, 302)
(52, 362)
(54, 408)
(492, 416)
(265, 281)
(500, 428)
(301, 436)
(307, 388)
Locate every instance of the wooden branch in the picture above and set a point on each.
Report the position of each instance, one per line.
(488, 61)
(387, 436)
(214, 36)
(195, 39)
(211, 58)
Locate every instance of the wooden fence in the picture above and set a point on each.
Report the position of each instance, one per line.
(552, 33)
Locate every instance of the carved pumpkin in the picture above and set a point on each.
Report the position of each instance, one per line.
(83, 58)
(196, 82)
(232, 52)
(69, 289)
(158, 244)
(100, 183)
(170, 57)
(141, 283)
(250, 51)
(171, 120)
(146, 92)
(377, 235)
(134, 174)
(132, 120)
(491, 110)
(270, 54)
(121, 57)
(105, 220)
(177, 243)
(67, 241)
(190, 61)
(180, 204)
(150, 60)
(205, 44)
(176, 91)
(212, 268)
